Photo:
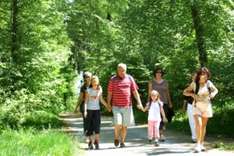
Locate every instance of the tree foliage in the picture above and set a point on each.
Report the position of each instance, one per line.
(54, 39)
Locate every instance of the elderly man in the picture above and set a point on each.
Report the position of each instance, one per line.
(120, 89)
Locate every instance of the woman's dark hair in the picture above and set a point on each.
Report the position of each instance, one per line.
(87, 74)
(206, 71)
(157, 70)
(200, 72)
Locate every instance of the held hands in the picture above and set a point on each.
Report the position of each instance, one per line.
(109, 108)
(140, 107)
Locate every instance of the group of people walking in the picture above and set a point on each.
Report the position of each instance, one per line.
(122, 87)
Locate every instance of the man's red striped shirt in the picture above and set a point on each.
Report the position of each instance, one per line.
(121, 89)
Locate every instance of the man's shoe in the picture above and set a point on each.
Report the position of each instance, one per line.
(122, 145)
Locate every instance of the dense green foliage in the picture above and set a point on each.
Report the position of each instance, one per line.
(146, 33)
(55, 39)
(36, 78)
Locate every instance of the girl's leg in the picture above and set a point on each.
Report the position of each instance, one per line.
(97, 122)
(150, 130)
(90, 143)
(97, 138)
(96, 142)
(156, 132)
(90, 128)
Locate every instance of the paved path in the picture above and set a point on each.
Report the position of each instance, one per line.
(176, 144)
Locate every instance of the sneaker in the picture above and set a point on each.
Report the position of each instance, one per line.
(203, 149)
(116, 142)
(90, 146)
(156, 144)
(197, 149)
(162, 138)
(150, 141)
(122, 145)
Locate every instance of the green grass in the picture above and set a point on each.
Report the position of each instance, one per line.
(224, 146)
(37, 143)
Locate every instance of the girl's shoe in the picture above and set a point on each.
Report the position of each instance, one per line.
(96, 145)
(156, 143)
(90, 145)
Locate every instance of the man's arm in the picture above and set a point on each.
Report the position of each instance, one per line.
(138, 99)
(109, 98)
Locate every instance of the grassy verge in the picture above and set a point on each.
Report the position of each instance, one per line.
(37, 143)
(224, 146)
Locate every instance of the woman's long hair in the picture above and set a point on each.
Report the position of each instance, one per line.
(200, 72)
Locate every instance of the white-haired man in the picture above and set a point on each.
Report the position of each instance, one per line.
(120, 89)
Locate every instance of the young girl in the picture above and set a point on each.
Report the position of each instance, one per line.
(155, 108)
(92, 112)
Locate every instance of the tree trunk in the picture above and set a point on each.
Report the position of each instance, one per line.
(199, 32)
(14, 43)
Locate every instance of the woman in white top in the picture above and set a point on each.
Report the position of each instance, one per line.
(202, 90)
(155, 108)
